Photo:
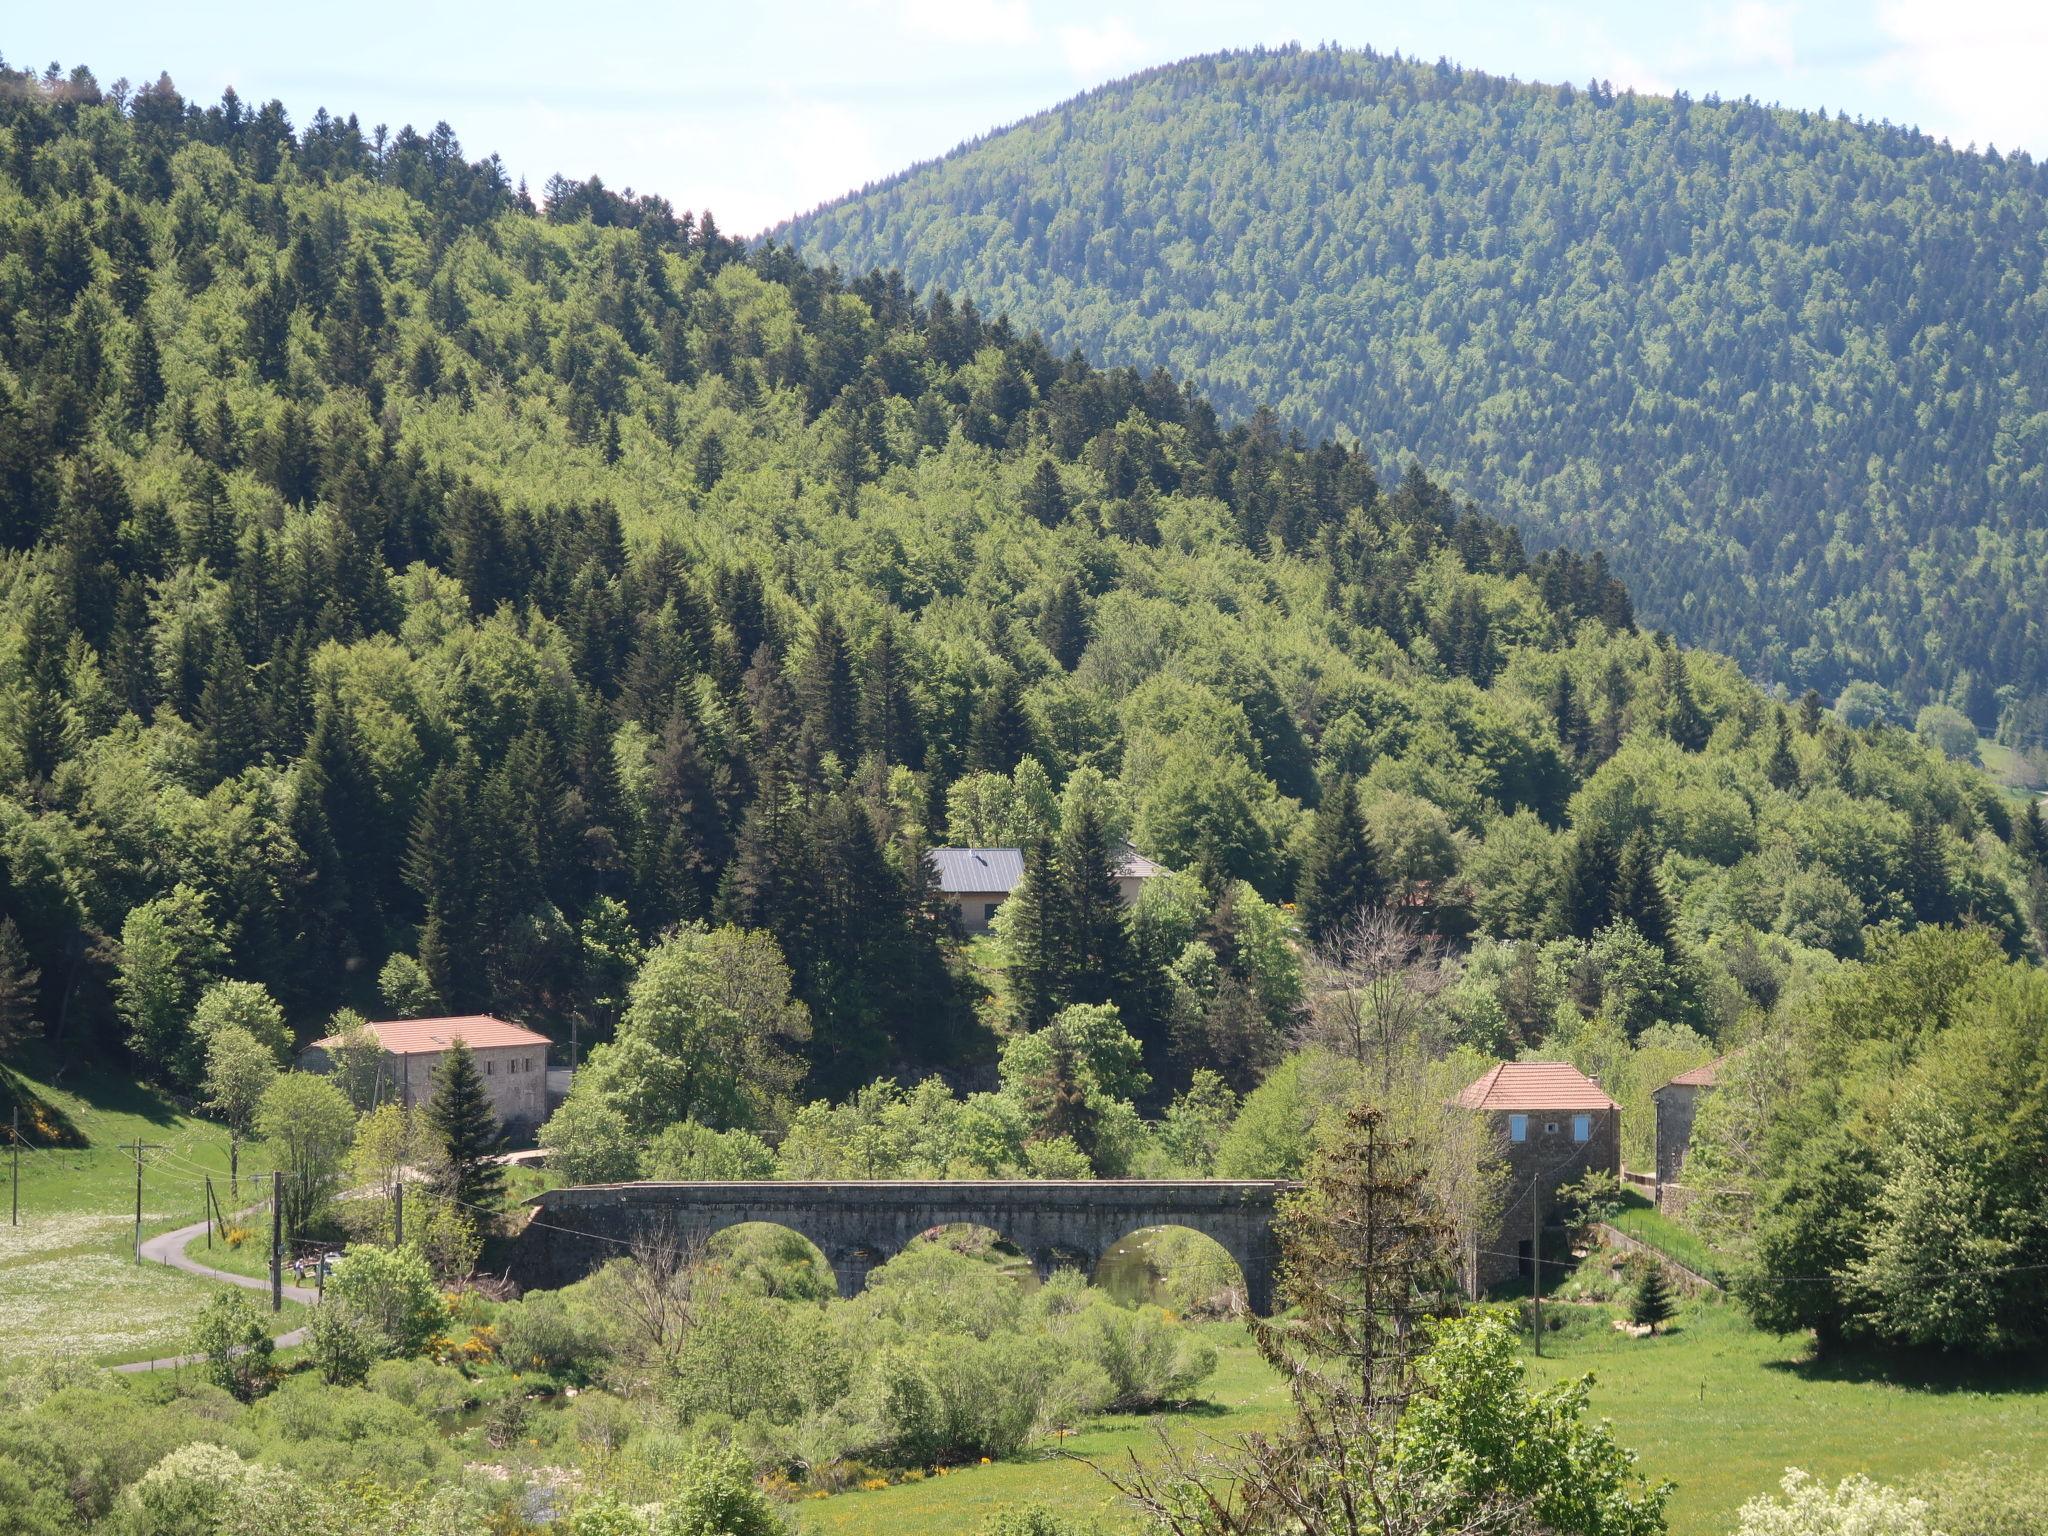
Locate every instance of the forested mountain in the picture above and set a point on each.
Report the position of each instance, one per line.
(413, 598)
(1788, 371)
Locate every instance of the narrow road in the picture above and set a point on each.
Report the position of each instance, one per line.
(169, 1249)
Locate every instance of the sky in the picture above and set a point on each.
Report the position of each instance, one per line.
(759, 111)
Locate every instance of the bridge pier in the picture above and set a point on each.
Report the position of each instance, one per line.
(1046, 1259)
(851, 1267)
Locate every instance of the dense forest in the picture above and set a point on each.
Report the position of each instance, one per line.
(416, 599)
(1785, 369)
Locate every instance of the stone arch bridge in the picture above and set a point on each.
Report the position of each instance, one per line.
(858, 1224)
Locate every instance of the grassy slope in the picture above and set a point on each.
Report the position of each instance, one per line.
(1641, 1220)
(68, 1285)
(1714, 1406)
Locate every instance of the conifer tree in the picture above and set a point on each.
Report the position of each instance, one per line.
(1568, 717)
(1925, 877)
(143, 391)
(1684, 721)
(1652, 1303)
(18, 980)
(465, 1130)
(1063, 625)
(825, 689)
(1035, 982)
(1783, 768)
(888, 716)
(1046, 497)
(1585, 901)
(1000, 734)
(1639, 893)
(1339, 874)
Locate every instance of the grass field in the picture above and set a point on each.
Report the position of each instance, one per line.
(1715, 1407)
(68, 1284)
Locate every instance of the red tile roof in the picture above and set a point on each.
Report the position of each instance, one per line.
(417, 1037)
(1534, 1085)
(1699, 1077)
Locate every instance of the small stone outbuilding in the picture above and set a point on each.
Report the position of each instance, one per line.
(1552, 1125)
(1678, 1103)
(512, 1058)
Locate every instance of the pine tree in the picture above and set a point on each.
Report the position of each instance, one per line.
(1063, 624)
(1652, 1302)
(18, 1022)
(1684, 721)
(1924, 879)
(1783, 768)
(2030, 837)
(1046, 497)
(143, 391)
(1568, 717)
(825, 689)
(1585, 902)
(465, 1129)
(1639, 893)
(1035, 979)
(1000, 734)
(1339, 874)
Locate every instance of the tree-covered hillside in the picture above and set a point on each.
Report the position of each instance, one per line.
(1789, 372)
(413, 599)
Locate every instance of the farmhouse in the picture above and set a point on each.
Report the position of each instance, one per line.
(979, 880)
(512, 1059)
(1552, 1125)
(1677, 1103)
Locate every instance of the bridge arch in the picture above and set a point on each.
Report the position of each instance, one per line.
(860, 1224)
(1137, 1262)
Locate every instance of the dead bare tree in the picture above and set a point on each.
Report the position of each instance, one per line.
(652, 1296)
(1374, 986)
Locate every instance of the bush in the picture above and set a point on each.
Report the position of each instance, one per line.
(203, 1489)
(688, 1150)
(718, 1497)
(544, 1333)
(236, 1341)
(392, 1291)
(1990, 1496)
(1146, 1359)
(588, 1141)
(437, 1391)
(337, 1435)
(1854, 1507)
(344, 1345)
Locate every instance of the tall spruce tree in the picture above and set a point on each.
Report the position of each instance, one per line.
(467, 1134)
(18, 978)
(1639, 893)
(1586, 898)
(1339, 874)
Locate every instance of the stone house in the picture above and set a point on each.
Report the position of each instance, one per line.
(1551, 1126)
(977, 881)
(512, 1059)
(1678, 1102)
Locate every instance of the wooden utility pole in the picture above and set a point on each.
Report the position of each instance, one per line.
(277, 1240)
(1536, 1259)
(138, 1200)
(398, 1212)
(14, 1140)
(208, 1213)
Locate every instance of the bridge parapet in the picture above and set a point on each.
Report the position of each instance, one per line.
(858, 1224)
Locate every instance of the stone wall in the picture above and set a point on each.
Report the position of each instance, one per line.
(1537, 1168)
(1677, 1105)
(858, 1225)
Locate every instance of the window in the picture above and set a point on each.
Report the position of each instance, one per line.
(490, 1069)
(1550, 1129)
(1518, 1127)
(529, 1063)
(988, 911)
(1582, 1127)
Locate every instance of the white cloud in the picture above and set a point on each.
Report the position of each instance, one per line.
(1105, 49)
(998, 22)
(1975, 66)
(1762, 33)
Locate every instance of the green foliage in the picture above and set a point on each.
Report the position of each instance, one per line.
(1651, 1304)
(691, 1151)
(589, 1140)
(1461, 263)
(307, 1126)
(462, 1128)
(392, 1292)
(1474, 1436)
(1853, 1506)
(233, 1337)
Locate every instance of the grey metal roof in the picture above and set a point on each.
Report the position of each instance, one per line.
(972, 871)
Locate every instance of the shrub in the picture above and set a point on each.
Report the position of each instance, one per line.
(232, 1335)
(332, 1436)
(718, 1497)
(1990, 1496)
(392, 1291)
(198, 1489)
(1146, 1359)
(344, 1345)
(688, 1150)
(1854, 1507)
(544, 1333)
(437, 1391)
(588, 1141)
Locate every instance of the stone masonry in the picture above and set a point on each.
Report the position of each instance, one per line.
(857, 1225)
